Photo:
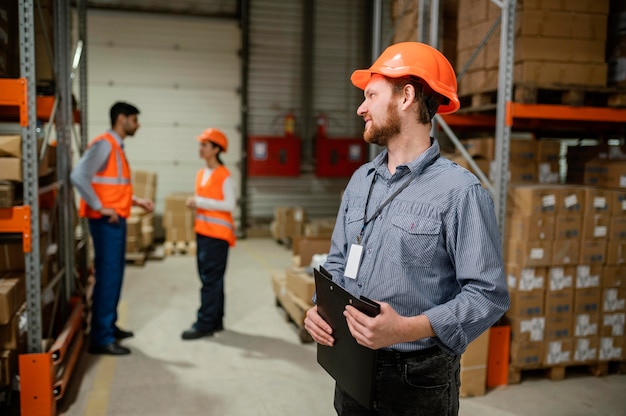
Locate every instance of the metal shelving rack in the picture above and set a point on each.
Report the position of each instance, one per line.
(45, 374)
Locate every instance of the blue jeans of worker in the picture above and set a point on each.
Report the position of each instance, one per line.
(426, 384)
(109, 242)
(212, 256)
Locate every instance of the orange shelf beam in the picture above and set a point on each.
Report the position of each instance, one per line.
(17, 220)
(563, 113)
(13, 93)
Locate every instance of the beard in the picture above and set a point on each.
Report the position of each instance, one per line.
(381, 135)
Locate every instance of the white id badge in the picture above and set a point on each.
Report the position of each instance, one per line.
(354, 259)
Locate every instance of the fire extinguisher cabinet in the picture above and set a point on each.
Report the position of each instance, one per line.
(273, 156)
(338, 157)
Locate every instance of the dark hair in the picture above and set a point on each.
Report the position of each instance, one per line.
(217, 156)
(428, 99)
(121, 108)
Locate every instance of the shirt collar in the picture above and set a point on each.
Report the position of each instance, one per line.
(418, 165)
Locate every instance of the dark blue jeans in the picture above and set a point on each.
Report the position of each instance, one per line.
(423, 385)
(109, 242)
(212, 256)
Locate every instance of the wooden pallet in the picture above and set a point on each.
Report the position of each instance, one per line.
(294, 307)
(530, 93)
(555, 373)
(179, 247)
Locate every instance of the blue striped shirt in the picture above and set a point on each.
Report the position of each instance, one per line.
(433, 250)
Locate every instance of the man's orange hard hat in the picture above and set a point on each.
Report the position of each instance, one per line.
(214, 136)
(417, 59)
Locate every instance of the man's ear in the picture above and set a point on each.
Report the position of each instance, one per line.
(408, 95)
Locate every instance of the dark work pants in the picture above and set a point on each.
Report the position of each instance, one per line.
(212, 256)
(423, 385)
(109, 241)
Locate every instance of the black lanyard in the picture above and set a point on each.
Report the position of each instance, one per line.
(406, 183)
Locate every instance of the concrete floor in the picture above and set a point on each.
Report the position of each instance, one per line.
(258, 366)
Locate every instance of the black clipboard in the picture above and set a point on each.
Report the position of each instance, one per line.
(353, 366)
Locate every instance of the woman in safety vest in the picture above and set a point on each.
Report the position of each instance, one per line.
(214, 200)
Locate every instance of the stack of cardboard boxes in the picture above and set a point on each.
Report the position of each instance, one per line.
(178, 223)
(556, 43)
(140, 224)
(565, 253)
(11, 168)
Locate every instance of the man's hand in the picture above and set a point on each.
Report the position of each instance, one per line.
(110, 212)
(387, 328)
(318, 328)
(144, 203)
(191, 202)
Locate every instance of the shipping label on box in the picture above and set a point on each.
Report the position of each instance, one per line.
(595, 226)
(586, 324)
(570, 200)
(612, 324)
(558, 352)
(611, 349)
(525, 279)
(561, 278)
(586, 349)
(613, 299)
(524, 329)
(532, 199)
(596, 201)
(529, 253)
(588, 276)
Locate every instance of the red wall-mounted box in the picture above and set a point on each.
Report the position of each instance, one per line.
(339, 156)
(273, 156)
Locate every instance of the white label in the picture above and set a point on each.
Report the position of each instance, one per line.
(536, 253)
(354, 259)
(548, 201)
(600, 231)
(599, 202)
(571, 200)
(622, 181)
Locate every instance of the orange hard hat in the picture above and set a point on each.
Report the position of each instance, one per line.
(214, 136)
(417, 59)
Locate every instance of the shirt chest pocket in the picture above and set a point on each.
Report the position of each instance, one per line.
(412, 240)
(354, 224)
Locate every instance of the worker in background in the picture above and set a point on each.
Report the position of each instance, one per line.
(418, 234)
(102, 178)
(213, 202)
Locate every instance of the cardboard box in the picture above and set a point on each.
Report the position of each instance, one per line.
(548, 151)
(526, 354)
(593, 252)
(615, 253)
(527, 329)
(559, 327)
(528, 253)
(144, 184)
(11, 145)
(570, 200)
(13, 334)
(7, 194)
(565, 252)
(614, 276)
(560, 278)
(525, 228)
(588, 276)
(524, 304)
(307, 247)
(560, 303)
(595, 225)
(480, 146)
(474, 367)
(11, 169)
(605, 173)
(596, 201)
(12, 295)
(617, 202)
(586, 349)
(587, 300)
(8, 367)
(567, 226)
(525, 279)
(300, 283)
(617, 229)
(558, 352)
(586, 324)
(612, 324)
(532, 199)
(11, 257)
(611, 349)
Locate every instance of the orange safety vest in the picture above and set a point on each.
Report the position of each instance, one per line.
(111, 184)
(212, 223)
